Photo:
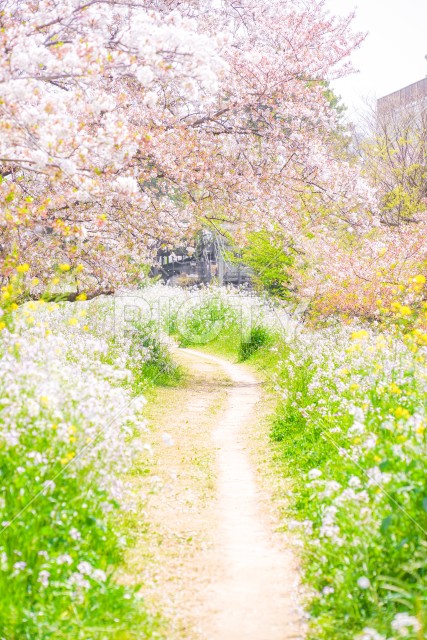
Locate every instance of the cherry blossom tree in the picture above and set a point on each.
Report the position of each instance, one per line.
(126, 122)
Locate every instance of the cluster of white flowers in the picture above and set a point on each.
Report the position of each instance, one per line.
(365, 393)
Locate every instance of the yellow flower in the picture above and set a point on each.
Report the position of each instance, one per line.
(405, 311)
(35, 282)
(81, 296)
(64, 267)
(354, 387)
(421, 429)
(54, 427)
(67, 458)
(23, 268)
(79, 268)
(72, 321)
(44, 401)
(56, 280)
(420, 279)
(72, 429)
(343, 372)
(72, 439)
(2, 325)
(359, 335)
(357, 440)
(393, 388)
(402, 413)
(86, 327)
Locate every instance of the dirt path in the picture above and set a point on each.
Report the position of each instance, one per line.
(210, 559)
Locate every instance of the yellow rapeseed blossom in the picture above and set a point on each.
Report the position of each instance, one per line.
(2, 325)
(64, 267)
(359, 335)
(405, 310)
(23, 268)
(354, 387)
(66, 459)
(393, 388)
(86, 327)
(72, 321)
(402, 413)
(81, 296)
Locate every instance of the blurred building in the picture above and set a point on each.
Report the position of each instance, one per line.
(210, 260)
(412, 96)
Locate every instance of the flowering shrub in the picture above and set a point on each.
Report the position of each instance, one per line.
(68, 415)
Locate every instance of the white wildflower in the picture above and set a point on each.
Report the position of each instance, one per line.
(74, 534)
(370, 634)
(44, 578)
(99, 575)
(403, 623)
(364, 582)
(85, 568)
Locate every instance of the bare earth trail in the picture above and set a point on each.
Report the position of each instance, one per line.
(215, 566)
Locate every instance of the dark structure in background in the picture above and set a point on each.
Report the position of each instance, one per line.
(208, 261)
(414, 95)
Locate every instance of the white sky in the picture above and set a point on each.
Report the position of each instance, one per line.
(393, 53)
